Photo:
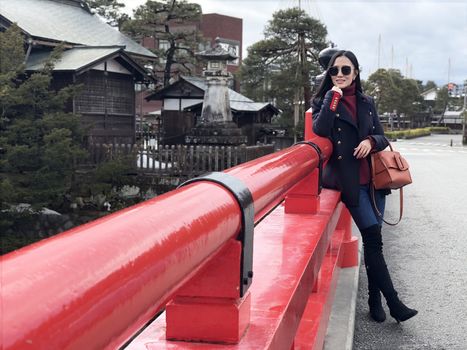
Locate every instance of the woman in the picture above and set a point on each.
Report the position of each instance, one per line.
(342, 113)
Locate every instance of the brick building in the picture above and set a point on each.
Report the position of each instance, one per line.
(229, 33)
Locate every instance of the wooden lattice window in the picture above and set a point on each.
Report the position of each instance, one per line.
(111, 94)
(120, 98)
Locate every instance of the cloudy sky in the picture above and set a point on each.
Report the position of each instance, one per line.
(424, 39)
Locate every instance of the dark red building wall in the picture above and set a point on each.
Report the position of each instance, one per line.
(214, 25)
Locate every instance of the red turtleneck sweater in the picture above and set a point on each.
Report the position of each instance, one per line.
(349, 100)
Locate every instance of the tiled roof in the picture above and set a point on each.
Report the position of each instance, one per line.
(71, 60)
(58, 21)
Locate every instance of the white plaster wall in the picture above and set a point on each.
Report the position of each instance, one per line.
(112, 66)
(173, 104)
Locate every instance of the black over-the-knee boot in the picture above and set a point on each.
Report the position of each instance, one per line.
(374, 297)
(378, 272)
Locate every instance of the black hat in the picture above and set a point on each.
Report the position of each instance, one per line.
(325, 56)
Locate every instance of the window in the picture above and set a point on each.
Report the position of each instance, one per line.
(164, 45)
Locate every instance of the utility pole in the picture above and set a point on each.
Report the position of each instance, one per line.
(464, 115)
(449, 70)
(379, 51)
(301, 57)
(298, 78)
(407, 67)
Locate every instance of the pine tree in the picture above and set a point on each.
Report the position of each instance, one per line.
(159, 20)
(285, 61)
(111, 11)
(40, 144)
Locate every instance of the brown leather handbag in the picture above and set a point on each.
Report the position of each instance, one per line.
(389, 170)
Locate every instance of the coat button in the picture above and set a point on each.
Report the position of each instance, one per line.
(339, 129)
(371, 113)
(373, 128)
(339, 142)
(340, 157)
(338, 115)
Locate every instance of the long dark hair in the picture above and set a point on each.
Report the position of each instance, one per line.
(327, 84)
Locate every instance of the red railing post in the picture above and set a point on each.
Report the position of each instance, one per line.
(304, 197)
(349, 242)
(309, 134)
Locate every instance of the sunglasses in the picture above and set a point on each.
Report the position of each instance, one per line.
(334, 70)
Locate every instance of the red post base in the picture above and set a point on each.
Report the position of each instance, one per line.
(350, 252)
(213, 320)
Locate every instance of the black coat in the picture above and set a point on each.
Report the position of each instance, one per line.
(342, 172)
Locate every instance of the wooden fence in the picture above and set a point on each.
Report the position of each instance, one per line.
(179, 160)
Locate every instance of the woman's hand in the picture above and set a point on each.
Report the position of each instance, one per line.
(363, 149)
(337, 89)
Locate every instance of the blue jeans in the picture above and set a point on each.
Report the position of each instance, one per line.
(364, 215)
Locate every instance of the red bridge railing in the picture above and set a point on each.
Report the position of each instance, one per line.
(100, 285)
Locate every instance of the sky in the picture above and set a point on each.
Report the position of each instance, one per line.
(424, 39)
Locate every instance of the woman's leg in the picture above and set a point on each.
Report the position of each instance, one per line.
(378, 272)
(379, 278)
(364, 217)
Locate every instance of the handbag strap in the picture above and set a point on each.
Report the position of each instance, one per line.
(401, 205)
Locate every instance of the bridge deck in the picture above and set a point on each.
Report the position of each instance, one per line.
(283, 261)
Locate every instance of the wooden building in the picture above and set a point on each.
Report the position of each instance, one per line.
(98, 57)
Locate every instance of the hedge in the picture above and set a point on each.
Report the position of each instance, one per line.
(413, 133)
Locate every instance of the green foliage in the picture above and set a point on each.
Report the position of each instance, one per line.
(11, 51)
(154, 20)
(430, 84)
(442, 99)
(393, 92)
(284, 61)
(110, 10)
(114, 172)
(10, 239)
(11, 65)
(40, 144)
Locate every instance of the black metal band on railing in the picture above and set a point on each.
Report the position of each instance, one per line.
(320, 161)
(245, 200)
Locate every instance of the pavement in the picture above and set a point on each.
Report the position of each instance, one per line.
(425, 255)
(340, 331)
